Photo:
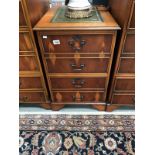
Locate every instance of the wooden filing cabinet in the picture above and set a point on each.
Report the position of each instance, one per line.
(32, 84)
(122, 84)
(77, 58)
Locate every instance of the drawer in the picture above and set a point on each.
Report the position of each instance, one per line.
(124, 85)
(25, 42)
(78, 96)
(32, 97)
(78, 83)
(127, 65)
(123, 99)
(85, 65)
(22, 21)
(30, 83)
(129, 45)
(81, 43)
(28, 63)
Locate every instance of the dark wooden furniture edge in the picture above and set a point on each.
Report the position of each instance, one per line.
(111, 107)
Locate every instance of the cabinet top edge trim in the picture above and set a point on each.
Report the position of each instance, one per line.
(45, 24)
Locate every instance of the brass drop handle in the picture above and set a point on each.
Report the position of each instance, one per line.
(77, 99)
(76, 68)
(78, 86)
(73, 45)
(76, 43)
(78, 83)
(82, 43)
(24, 98)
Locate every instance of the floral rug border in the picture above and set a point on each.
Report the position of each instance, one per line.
(64, 122)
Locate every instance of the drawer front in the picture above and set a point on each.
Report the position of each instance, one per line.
(35, 97)
(124, 85)
(84, 65)
(80, 43)
(30, 83)
(77, 83)
(28, 63)
(78, 96)
(129, 45)
(127, 65)
(25, 42)
(22, 21)
(123, 99)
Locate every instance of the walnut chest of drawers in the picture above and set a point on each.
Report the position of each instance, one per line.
(77, 58)
(32, 87)
(122, 84)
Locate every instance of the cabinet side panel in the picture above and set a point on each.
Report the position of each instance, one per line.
(36, 9)
(120, 10)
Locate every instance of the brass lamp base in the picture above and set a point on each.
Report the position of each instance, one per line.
(76, 14)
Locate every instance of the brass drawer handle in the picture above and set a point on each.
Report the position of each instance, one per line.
(79, 99)
(78, 86)
(78, 83)
(24, 98)
(76, 68)
(76, 43)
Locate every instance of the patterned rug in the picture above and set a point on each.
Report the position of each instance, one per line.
(76, 135)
